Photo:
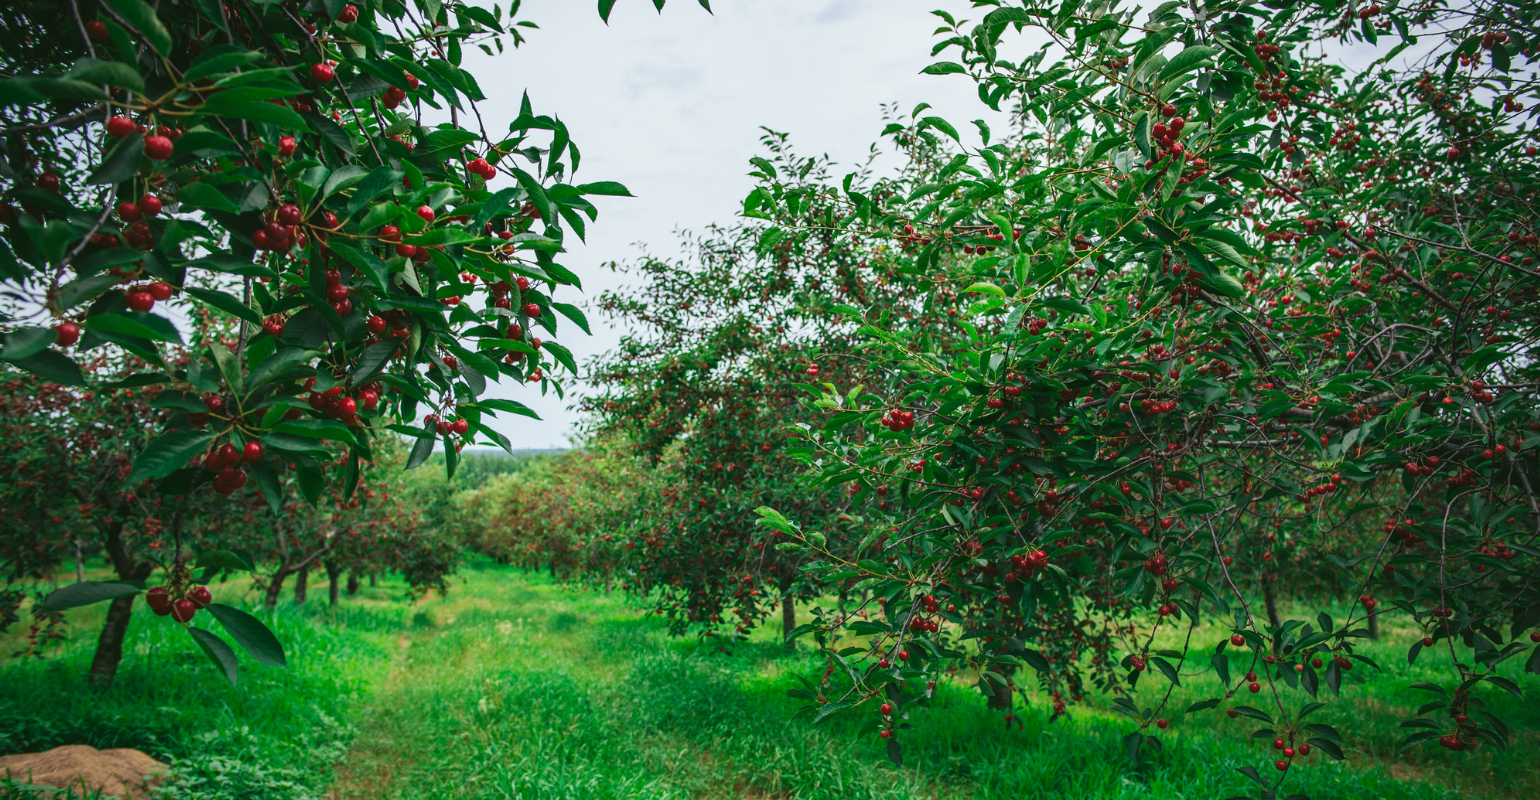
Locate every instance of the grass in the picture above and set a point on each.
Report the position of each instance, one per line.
(511, 687)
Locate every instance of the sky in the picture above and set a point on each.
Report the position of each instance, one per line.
(672, 105)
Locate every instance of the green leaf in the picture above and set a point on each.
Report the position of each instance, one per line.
(141, 16)
(84, 594)
(120, 164)
(605, 188)
(987, 288)
(421, 449)
(54, 366)
(943, 68)
(255, 110)
(112, 73)
(26, 342)
(941, 125)
(250, 634)
(225, 303)
(224, 560)
(373, 359)
(217, 60)
(510, 406)
(324, 429)
(217, 651)
(168, 453)
(369, 265)
(202, 195)
(573, 313)
(1187, 59)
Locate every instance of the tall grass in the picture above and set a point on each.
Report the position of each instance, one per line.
(511, 687)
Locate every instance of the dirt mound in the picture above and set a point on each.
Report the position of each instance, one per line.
(117, 773)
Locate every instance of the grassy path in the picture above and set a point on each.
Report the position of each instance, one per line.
(512, 688)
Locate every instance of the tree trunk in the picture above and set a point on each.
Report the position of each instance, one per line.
(352, 583)
(301, 585)
(109, 646)
(1270, 600)
(372, 582)
(1374, 625)
(333, 578)
(275, 586)
(788, 620)
(80, 562)
(1000, 694)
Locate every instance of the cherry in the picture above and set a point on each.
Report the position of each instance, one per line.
(159, 290)
(183, 610)
(347, 406)
(201, 596)
(286, 146)
(157, 148)
(140, 301)
(1168, 111)
(533, 310)
(1162, 724)
(390, 233)
(129, 212)
(97, 30)
(886, 709)
(903, 655)
(1282, 765)
(289, 214)
(370, 400)
(886, 734)
(1303, 749)
(376, 325)
(425, 212)
(150, 205)
(406, 250)
(393, 97)
(119, 127)
(1255, 687)
(251, 452)
(336, 293)
(460, 427)
(1535, 637)
(1232, 713)
(322, 73)
(348, 15)
(66, 334)
(274, 327)
(1279, 743)
(1237, 640)
(411, 81)
(48, 180)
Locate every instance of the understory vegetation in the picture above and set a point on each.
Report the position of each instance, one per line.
(514, 687)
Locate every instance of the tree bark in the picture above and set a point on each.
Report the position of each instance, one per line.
(352, 583)
(788, 620)
(1374, 625)
(1270, 601)
(80, 562)
(301, 585)
(109, 646)
(333, 579)
(372, 582)
(1000, 694)
(275, 586)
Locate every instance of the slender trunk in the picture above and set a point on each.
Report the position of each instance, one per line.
(372, 582)
(1270, 600)
(1374, 625)
(301, 585)
(80, 562)
(275, 586)
(1000, 694)
(109, 646)
(333, 579)
(788, 620)
(352, 583)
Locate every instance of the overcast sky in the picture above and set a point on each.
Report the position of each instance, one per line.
(671, 106)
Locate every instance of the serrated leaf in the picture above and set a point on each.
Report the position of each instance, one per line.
(168, 453)
(249, 632)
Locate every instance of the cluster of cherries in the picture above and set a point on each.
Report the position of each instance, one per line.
(395, 95)
(480, 167)
(445, 427)
(334, 403)
(896, 421)
(1326, 488)
(158, 147)
(223, 461)
(182, 609)
(282, 232)
(144, 296)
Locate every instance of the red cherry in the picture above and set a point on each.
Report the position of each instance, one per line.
(1162, 724)
(1303, 749)
(390, 233)
(286, 146)
(349, 14)
(531, 310)
(129, 212)
(150, 205)
(159, 600)
(159, 290)
(460, 426)
(48, 180)
(259, 240)
(119, 127)
(1237, 640)
(289, 214)
(322, 73)
(425, 212)
(1281, 765)
(140, 301)
(1232, 713)
(183, 610)
(97, 30)
(376, 325)
(201, 596)
(251, 452)
(886, 709)
(406, 250)
(336, 293)
(158, 148)
(370, 400)
(66, 334)
(411, 81)
(1255, 687)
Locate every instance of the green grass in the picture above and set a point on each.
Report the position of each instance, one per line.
(514, 688)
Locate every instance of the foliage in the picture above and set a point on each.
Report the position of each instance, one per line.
(1215, 293)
